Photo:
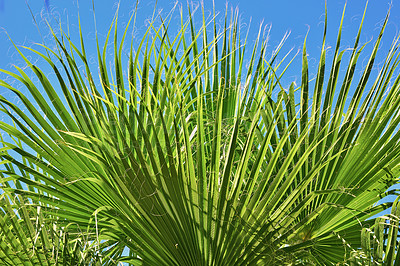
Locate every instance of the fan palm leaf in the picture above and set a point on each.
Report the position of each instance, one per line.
(192, 157)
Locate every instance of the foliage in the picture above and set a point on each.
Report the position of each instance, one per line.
(31, 238)
(380, 243)
(195, 157)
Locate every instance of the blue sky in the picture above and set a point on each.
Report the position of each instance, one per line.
(297, 17)
(23, 20)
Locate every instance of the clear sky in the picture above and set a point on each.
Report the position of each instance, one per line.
(298, 17)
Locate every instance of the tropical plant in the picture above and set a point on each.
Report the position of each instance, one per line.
(30, 238)
(380, 243)
(194, 156)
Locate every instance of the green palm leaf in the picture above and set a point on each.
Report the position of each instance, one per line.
(194, 159)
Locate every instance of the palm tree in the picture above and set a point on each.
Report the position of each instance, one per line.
(192, 158)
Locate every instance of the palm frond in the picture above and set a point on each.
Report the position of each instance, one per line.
(193, 158)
